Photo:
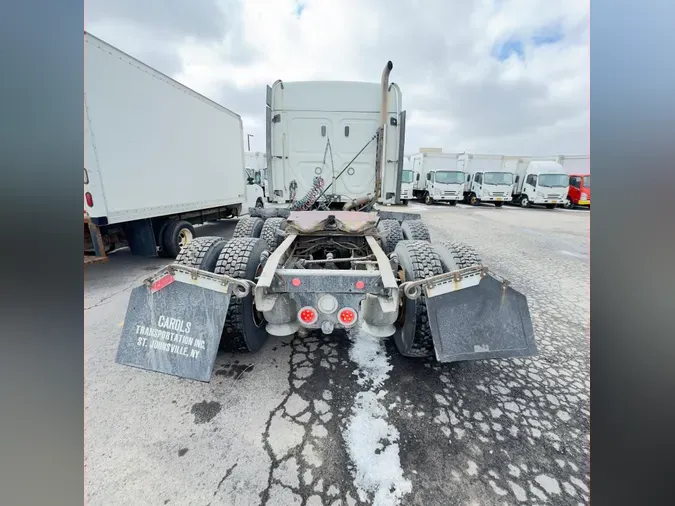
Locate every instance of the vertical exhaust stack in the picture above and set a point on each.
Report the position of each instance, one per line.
(379, 171)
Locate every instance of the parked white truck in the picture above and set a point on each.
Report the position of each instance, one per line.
(539, 181)
(407, 181)
(488, 179)
(322, 136)
(159, 157)
(256, 170)
(438, 177)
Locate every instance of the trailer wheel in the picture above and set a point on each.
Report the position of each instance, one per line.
(248, 227)
(201, 253)
(177, 234)
(390, 234)
(417, 260)
(270, 232)
(415, 230)
(456, 255)
(244, 325)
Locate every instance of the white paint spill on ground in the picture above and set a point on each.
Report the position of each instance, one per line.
(372, 443)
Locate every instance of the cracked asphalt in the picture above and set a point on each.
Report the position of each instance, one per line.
(345, 420)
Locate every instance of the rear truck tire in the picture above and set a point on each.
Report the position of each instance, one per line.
(202, 253)
(244, 327)
(177, 234)
(270, 232)
(390, 234)
(248, 227)
(417, 260)
(550, 206)
(160, 239)
(525, 202)
(499, 204)
(428, 200)
(415, 230)
(473, 200)
(456, 255)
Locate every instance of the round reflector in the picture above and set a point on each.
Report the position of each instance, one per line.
(307, 315)
(347, 316)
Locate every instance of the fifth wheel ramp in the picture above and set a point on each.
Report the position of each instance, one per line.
(484, 321)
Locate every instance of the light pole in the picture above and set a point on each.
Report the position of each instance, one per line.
(248, 140)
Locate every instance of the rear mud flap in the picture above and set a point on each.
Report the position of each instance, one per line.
(484, 321)
(174, 323)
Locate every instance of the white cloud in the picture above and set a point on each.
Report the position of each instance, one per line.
(457, 94)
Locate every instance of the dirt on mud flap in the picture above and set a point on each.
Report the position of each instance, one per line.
(175, 320)
(473, 315)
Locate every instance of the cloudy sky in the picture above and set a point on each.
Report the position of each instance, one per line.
(485, 76)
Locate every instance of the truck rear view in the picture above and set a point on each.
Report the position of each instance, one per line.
(323, 136)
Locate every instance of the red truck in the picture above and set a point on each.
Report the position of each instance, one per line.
(579, 192)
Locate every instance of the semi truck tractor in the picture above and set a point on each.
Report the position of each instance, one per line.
(578, 167)
(335, 146)
(256, 170)
(437, 177)
(296, 272)
(488, 179)
(159, 158)
(541, 181)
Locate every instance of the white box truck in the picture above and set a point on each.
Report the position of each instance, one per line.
(256, 170)
(541, 181)
(323, 137)
(488, 179)
(159, 157)
(407, 181)
(438, 178)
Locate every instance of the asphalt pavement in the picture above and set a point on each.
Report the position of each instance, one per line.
(345, 420)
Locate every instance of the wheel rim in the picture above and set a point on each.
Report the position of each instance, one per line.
(473, 200)
(567, 204)
(184, 237)
(524, 202)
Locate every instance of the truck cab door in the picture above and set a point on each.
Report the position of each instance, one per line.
(430, 180)
(478, 184)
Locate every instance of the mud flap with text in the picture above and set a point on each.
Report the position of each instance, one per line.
(484, 321)
(174, 323)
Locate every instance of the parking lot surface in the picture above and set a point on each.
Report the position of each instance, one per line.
(345, 420)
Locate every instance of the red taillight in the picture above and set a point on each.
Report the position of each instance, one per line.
(347, 316)
(360, 285)
(296, 282)
(307, 315)
(89, 199)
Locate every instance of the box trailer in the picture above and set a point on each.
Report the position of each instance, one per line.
(488, 179)
(438, 177)
(327, 137)
(159, 157)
